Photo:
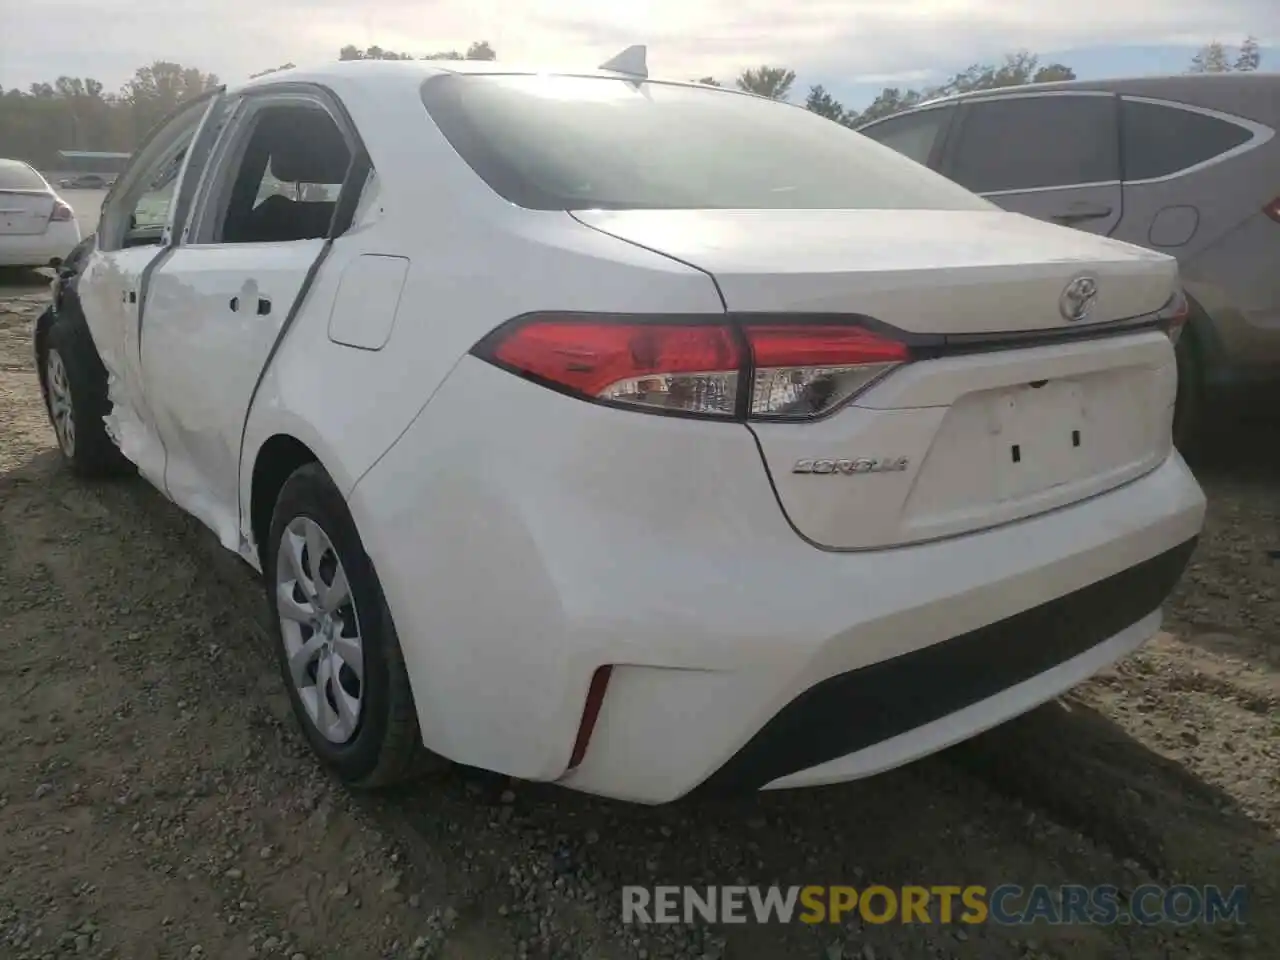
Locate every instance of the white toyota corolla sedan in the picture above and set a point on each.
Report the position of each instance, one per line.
(641, 436)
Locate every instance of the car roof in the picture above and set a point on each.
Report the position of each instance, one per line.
(1173, 84)
(395, 73)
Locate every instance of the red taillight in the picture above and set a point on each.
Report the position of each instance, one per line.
(62, 212)
(689, 367)
(1272, 209)
(796, 370)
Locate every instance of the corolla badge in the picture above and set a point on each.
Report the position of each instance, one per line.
(852, 467)
(1078, 299)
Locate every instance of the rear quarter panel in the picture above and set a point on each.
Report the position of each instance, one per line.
(474, 262)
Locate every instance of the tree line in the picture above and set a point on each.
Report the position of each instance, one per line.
(1012, 70)
(77, 113)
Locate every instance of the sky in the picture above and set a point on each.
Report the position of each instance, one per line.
(852, 47)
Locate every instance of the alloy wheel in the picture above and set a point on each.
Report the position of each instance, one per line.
(60, 409)
(321, 629)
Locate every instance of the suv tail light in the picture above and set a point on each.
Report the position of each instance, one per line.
(1272, 209)
(61, 212)
(1173, 316)
(713, 367)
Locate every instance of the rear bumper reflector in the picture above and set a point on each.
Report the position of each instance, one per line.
(590, 711)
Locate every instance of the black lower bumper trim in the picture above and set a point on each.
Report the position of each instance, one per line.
(854, 710)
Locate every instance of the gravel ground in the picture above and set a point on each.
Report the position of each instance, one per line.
(157, 801)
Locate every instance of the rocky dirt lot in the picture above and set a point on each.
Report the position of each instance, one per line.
(156, 801)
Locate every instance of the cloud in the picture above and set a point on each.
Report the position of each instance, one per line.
(859, 39)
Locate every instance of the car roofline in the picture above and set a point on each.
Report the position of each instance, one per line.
(397, 71)
(1101, 85)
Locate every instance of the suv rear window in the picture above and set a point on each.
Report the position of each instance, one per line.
(572, 143)
(1159, 140)
(1033, 142)
(16, 175)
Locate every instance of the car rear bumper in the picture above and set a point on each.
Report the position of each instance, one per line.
(892, 710)
(525, 539)
(40, 249)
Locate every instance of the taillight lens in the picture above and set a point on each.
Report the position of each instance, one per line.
(1272, 209)
(721, 367)
(684, 367)
(61, 211)
(805, 371)
(1174, 315)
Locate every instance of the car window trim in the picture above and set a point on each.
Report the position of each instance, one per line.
(958, 125)
(129, 176)
(1261, 134)
(910, 111)
(248, 103)
(199, 154)
(167, 241)
(1053, 189)
(986, 96)
(945, 127)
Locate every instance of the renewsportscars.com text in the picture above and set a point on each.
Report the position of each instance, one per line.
(1007, 904)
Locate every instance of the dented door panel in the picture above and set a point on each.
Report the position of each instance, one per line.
(114, 283)
(214, 313)
(110, 297)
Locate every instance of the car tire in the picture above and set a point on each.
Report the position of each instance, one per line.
(345, 676)
(1188, 409)
(75, 391)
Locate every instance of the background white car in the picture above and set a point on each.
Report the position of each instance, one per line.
(36, 226)
(636, 435)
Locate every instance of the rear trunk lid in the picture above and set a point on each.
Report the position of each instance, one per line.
(24, 212)
(1004, 417)
(924, 271)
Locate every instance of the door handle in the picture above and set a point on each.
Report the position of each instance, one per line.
(252, 300)
(1079, 212)
(129, 296)
(264, 306)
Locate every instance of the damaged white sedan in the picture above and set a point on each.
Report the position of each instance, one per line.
(641, 436)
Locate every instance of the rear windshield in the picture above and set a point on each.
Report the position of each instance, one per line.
(16, 175)
(572, 143)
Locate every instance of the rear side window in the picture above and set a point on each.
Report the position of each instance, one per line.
(572, 143)
(1028, 143)
(1159, 140)
(16, 175)
(912, 134)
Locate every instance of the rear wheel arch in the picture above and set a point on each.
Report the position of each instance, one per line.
(69, 315)
(81, 401)
(278, 457)
(40, 337)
